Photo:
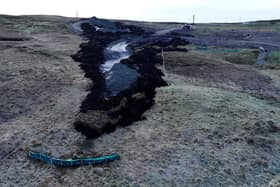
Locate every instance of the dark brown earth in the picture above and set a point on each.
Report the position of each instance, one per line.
(100, 114)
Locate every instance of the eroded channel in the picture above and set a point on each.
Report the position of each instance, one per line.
(123, 80)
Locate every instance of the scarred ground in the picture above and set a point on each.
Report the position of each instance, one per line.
(216, 124)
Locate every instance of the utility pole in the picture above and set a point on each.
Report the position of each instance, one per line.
(193, 19)
(77, 14)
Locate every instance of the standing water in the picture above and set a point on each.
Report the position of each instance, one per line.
(114, 53)
(118, 76)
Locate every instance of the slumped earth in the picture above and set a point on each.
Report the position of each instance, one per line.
(216, 123)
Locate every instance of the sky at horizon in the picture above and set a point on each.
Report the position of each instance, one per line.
(150, 10)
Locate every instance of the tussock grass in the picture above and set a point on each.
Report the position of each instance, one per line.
(239, 56)
(218, 55)
(273, 57)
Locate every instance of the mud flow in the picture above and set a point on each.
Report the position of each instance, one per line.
(123, 80)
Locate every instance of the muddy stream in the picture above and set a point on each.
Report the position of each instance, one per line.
(118, 76)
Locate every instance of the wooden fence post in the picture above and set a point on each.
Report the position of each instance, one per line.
(163, 62)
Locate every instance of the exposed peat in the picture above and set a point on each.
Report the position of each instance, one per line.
(100, 114)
